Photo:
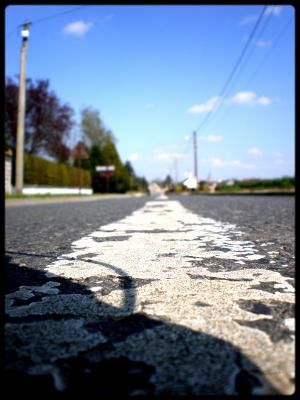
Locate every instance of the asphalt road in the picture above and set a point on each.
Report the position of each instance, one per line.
(262, 219)
(189, 295)
(37, 234)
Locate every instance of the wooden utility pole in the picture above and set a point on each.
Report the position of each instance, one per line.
(79, 153)
(195, 156)
(21, 111)
(176, 170)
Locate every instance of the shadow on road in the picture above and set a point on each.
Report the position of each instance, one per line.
(62, 342)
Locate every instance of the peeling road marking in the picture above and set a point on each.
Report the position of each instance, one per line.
(170, 254)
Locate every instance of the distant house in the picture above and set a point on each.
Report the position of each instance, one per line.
(191, 183)
(229, 182)
(212, 187)
(155, 189)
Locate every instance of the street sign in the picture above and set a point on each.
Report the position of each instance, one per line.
(106, 174)
(106, 171)
(100, 168)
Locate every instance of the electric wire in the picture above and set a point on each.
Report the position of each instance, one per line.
(57, 15)
(250, 52)
(229, 79)
(267, 55)
(277, 40)
(45, 19)
(241, 58)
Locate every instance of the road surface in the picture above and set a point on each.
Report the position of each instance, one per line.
(179, 295)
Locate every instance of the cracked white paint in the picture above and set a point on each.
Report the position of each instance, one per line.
(135, 255)
(290, 323)
(162, 241)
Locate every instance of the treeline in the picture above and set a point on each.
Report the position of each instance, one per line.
(48, 126)
(254, 184)
(284, 183)
(98, 148)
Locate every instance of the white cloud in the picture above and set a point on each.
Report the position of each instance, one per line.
(133, 157)
(204, 107)
(162, 156)
(239, 164)
(263, 43)
(217, 162)
(248, 20)
(211, 138)
(264, 101)
(255, 151)
(78, 28)
(165, 155)
(250, 98)
(276, 10)
(246, 97)
(243, 97)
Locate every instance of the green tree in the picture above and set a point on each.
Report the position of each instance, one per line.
(96, 158)
(129, 168)
(101, 146)
(120, 182)
(93, 128)
(142, 184)
(133, 184)
(167, 181)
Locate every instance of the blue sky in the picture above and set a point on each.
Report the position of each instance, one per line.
(156, 72)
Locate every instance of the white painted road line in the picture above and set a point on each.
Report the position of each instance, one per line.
(197, 273)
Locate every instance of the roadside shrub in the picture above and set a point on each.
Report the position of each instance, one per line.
(38, 171)
(258, 184)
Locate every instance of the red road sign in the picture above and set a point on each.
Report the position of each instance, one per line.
(106, 174)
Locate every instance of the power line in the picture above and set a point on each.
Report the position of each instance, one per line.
(219, 101)
(46, 18)
(250, 52)
(282, 32)
(57, 15)
(267, 55)
(246, 60)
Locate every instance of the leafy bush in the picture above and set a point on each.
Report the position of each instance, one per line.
(38, 171)
(285, 182)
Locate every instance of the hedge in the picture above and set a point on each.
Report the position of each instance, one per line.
(285, 182)
(38, 171)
